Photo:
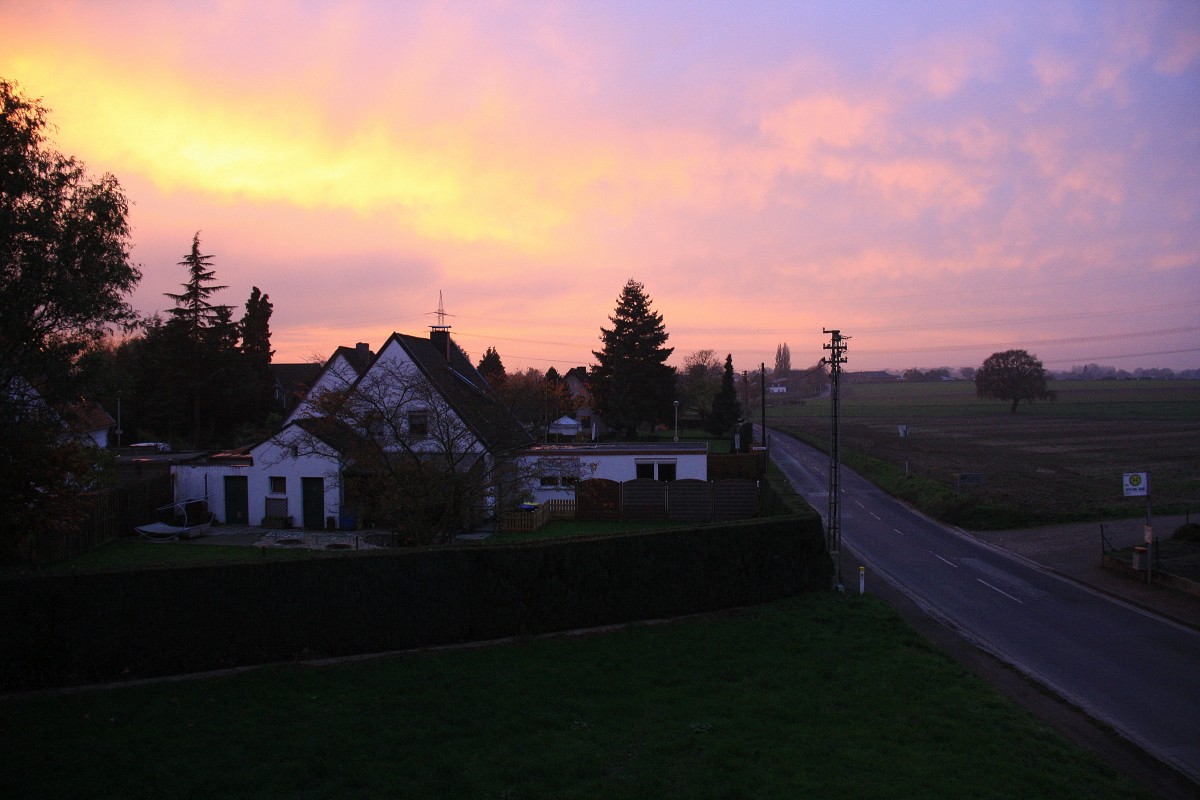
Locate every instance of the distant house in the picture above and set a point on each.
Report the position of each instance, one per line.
(591, 425)
(292, 382)
(89, 423)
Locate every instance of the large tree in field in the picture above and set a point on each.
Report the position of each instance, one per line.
(1012, 375)
(631, 382)
(65, 277)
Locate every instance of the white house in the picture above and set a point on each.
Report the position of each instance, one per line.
(417, 395)
(558, 467)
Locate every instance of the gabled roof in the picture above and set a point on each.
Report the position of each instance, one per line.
(465, 389)
(295, 379)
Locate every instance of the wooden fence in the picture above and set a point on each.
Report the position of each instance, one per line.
(528, 521)
(112, 514)
(644, 499)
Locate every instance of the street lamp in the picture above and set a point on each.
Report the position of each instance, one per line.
(677, 420)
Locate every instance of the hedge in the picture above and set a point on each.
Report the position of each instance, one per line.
(85, 628)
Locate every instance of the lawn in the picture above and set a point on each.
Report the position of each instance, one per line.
(1050, 462)
(820, 695)
(134, 553)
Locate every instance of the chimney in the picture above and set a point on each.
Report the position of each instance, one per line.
(441, 341)
(363, 349)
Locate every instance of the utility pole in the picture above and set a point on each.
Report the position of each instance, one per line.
(833, 525)
(762, 371)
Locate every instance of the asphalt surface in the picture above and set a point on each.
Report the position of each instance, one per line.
(1037, 601)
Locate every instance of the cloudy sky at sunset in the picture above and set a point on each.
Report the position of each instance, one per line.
(938, 180)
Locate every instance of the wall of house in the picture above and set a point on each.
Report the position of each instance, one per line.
(337, 376)
(275, 459)
(269, 460)
(617, 465)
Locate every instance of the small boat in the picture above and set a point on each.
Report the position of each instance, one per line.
(183, 520)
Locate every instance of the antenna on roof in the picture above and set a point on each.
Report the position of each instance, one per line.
(441, 315)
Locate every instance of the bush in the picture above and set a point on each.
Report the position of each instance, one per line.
(1188, 532)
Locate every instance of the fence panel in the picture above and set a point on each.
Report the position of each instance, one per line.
(112, 514)
(690, 500)
(644, 499)
(598, 499)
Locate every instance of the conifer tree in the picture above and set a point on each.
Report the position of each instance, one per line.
(727, 410)
(631, 382)
(191, 305)
(255, 329)
(491, 367)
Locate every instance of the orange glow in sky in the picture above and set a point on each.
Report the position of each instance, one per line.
(937, 182)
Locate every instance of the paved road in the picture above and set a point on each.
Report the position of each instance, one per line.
(1128, 668)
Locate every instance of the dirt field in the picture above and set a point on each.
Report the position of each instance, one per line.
(1065, 459)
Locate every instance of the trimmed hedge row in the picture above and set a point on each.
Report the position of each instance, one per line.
(69, 629)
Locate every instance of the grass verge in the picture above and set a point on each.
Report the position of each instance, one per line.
(815, 696)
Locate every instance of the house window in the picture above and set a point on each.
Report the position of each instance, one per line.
(656, 470)
(570, 480)
(278, 484)
(418, 424)
(548, 480)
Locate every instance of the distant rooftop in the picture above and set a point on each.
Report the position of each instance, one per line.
(621, 448)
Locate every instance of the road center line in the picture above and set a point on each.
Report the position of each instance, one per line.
(876, 516)
(897, 530)
(948, 561)
(1001, 591)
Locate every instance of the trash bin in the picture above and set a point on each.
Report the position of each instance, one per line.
(1139, 558)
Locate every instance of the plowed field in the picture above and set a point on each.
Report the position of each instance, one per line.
(1065, 457)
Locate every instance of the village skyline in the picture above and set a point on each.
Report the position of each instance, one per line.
(939, 184)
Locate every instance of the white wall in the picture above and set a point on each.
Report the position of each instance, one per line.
(615, 463)
(270, 459)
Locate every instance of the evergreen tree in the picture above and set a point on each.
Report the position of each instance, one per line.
(192, 305)
(491, 367)
(631, 382)
(194, 382)
(255, 328)
(726, 409)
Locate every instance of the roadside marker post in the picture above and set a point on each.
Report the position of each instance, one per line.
(862, 579)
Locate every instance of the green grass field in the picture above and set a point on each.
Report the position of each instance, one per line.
(1050, 462)
(817, 696)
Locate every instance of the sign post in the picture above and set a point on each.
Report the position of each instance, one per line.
(1137, 484)
(904, 441)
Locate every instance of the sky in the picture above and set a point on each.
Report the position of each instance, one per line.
(937, 180)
